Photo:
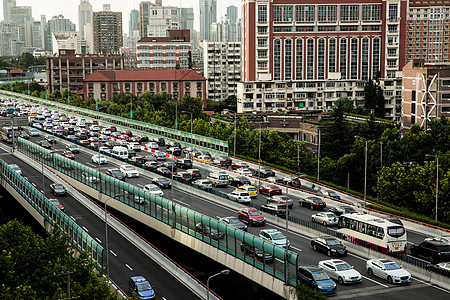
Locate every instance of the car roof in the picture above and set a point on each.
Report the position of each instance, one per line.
(437, 243)
(270, 230)
(311, 268)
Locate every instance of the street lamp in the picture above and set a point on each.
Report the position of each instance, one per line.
(234, 144)
(437, 182)
(259, 155)
(106, 236)
(318, 158)
(365, 168)
(188, 112)
(223, 272)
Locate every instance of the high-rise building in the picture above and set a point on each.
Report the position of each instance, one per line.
(208, 15)
(232, 13)
(186, 19)
(107, 32)
(133, 23)
(306, 55)
(22, 15)
(225, 31)
(156, 19)
(9, 44)
(145, 13)
(84, 16)
(7, 4)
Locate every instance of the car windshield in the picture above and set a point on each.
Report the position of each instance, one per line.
(58, 186)
(163, 180)
(316, 200)
(251, 189)
(144, 286)
(332, 242)
(343, 267)
(330, 215)
(278, 236)
(392, 266)
(116, 172)
(318, 276)
(128, 168)
(332, 193)
(396, 231)
(254, 213)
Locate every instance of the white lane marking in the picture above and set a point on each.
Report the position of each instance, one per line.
(112, 252)
(42, 191)
(26, 178)
(93, 165)
(300, 250)
(73, 218)
(181, 202)
(370, 279)
(432, 285)
(131, 269)
(33, 184)
(98, 240)
(85, 228)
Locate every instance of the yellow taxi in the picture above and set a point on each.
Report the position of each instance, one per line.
(250, 189)
(204, 158)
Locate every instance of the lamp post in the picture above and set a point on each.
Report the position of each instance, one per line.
(223, 272)
(234, 144)
(437, 182)
(106, 236)
(318, 158)
(365, 168)
(259, 157)
(42, 163)
(188, 112)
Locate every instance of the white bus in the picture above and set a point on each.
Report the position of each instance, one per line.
(373, 232)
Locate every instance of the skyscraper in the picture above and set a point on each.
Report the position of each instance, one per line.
(107, 31)
(84, 16)
(7, 4)
(133, 22)
(208, 15)
(186, 19)
(232, 13)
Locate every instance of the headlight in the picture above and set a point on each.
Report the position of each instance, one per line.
(333, 250)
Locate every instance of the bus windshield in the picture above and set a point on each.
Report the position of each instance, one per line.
(396, 231)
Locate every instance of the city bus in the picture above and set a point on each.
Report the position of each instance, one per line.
(7, 107)
(373, 232)
(7, 134)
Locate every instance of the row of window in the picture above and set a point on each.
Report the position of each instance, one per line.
(328, 28)
(166, 47)
(150, 86)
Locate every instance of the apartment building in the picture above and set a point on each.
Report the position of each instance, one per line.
(222, 68)
(107, 32)
(68, 69)
(304, 56)
(164, 53)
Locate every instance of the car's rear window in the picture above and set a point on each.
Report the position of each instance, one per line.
(444, 248)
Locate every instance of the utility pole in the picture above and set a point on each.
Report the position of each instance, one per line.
(68, 284)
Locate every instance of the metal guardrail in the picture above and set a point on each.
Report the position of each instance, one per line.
(52, 214)
(197, 141)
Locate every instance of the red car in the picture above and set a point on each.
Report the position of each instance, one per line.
(239, 164)
(270, 190)
(85, 142)
(112, 128)
(128, 133)
(57, 203)
(251, 216)
(68, 154)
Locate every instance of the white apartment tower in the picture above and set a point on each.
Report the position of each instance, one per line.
(84, 16)
(208, 15)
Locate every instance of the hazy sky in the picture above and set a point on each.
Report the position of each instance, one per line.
(69, 8)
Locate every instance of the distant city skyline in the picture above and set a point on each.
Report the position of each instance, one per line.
(69, 9)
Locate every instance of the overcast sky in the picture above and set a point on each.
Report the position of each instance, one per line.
(69, 8)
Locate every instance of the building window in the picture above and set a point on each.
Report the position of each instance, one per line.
(365, 59)
(322, 13)
(115, 86)
(163, 86)
(139, 86)
(127, 86)
(103, 86)
(375, 56)
(321, 59)
(262, 29)
(310, 59)
(287, 13)
(277, 60)
(90, 86)
(103, 96)
(304, 13)
(393, 11)
(299, 59)
(277, 13)
(151, 86)
(354, 58)
(343, 58)
(288, 59)
(262, 42)
(344, 12)
(187, 85)
(262, 53)
(262, 13)
(199, 85)
(199, 94)
(332, 55)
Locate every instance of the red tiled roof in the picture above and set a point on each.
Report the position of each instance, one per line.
(143, 75)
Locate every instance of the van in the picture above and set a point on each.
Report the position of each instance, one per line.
(119, 152)
(218, 179)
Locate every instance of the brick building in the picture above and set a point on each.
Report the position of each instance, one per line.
(104, 84)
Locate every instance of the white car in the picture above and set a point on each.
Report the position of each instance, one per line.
(129, 171)
(106, 131)
(153, 189)
(105, 149)
(99, 159)
(444, 266)
(443, 239)
(73, 148)
(134, 146)
(326, 218)
(94, 128)
(388, 269)
(244, 171)
(340, 270)
(152, 145)
(239, 196)
(16, 168)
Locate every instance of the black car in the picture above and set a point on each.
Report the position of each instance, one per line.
(292, 181)
(161, 142)
(139, 160)
(195, 174)
(209, 232)
(219, 162)
(183, 163)
(340, 210)
(274, 209)
(131, 153)
(238, 181)
(164, 171)
(312, 202)
(329, 245)
(57, 189)
(250, 250)
(182, 177)
(175, 151)
(234, 222)
(433, 251)
(144, 139)
(162, 182)
(24, 135)
(45, 144)
(170, 165)
(264, 173)
(116, 173)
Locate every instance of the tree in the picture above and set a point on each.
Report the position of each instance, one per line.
(303, 292)
(374, 98)
(26, 60)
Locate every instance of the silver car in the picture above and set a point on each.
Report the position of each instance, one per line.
(325, 218)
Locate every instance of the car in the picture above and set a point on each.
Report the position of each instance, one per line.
(116, 173)
(234, 222)
(45, 144)
(330, 193)
(71, 137)
(33, 132)
(281, 199)
(275, 179)
(161, 142)
(152, 145)
(312, 202)
(239, 164)
(275, 209)
(432, 250)
(195, 174)
(106, 131)
(164, 171)
(24, 135)
(388, 270)
(129, 171)
(183, 163)
(85, 142)
(170, 165)
(328, 244)
(57, 189)
(203, 184)
(270, 190)
(343, 209)
(89, 178)
(141, 288)
(153, 189)
(316, 278)
(259, 254)
(239, 196)
(209, 232)
(275, 237)
(138, 160)
(264, 172)
(99, 159)
(444, 239)
(325, 218)
(51, 139)
(16, 168)
(251, 216)
(292, 181)
(104, 149)
(112, 128)
(239, 180)
(162, 182)
(131, 153)
(160, 155)
(340, 271)
(127, 133)
(57, 203)
(244, 171)
(182, 177)
(134, 146)
(204, 158)
(152, 164)
(250, 189)
(219, 162)
(175, 151)
(68, 154)
(443, 266)
(72, 148)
